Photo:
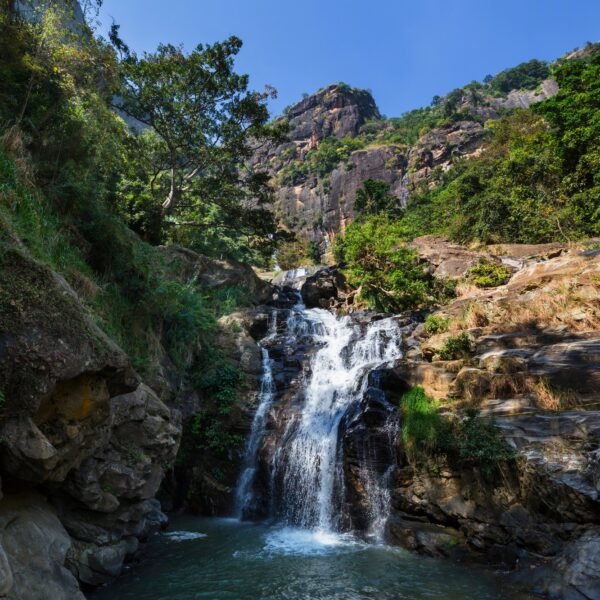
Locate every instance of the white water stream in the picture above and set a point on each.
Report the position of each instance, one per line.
(308, 463)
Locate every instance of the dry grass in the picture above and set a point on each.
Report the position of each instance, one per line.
(545, 395)
(549, 397)
(85, 287)
(475, 314)
(508, 385)
(574, 305)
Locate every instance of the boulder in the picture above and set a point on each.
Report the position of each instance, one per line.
(447, 260)
(96, 565)
(78, 425)
(325, 289)
(185, 265)
(34, 546)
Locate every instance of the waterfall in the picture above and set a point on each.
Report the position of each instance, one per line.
(243, 492)
(307, 464)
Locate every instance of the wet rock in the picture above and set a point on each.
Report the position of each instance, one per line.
(325, 289)
(96, 565)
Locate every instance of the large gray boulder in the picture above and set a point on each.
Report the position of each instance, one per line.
(33, 549)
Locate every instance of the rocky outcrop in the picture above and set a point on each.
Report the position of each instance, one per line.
(78, 427)
(33, 550)
(327, 288)
(444, 259)
(318, 207)
(533, 372)
(337, 110)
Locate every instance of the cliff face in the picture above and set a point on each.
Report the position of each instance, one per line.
(317, 205)
(85, 441)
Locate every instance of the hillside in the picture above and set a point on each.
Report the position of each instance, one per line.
(338, 140)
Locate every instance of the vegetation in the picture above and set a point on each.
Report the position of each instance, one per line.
(385, 271)
(436, 324)
(374, 197)
(456, 346)
(526, 76)
(538, 179)
(297, 252)
(422, 427)
(75, 181)
(487, 275)
(426, 435)
(482, 445)
(200, 118)
(322, 160)
(536, 182)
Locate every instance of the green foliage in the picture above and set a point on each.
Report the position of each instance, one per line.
(293, 253)
(423, 430)
(219, 380)
(225, 300)
(538, 179)
(374, 197)
(426, 434)
(526, 76)
(482, 444)
(330, 153)
(456, 346)
(186, 180)
(322, 160)
(314, 252)
(385, 270)
(24, 211)
(574, 114)
(487, 275)
(436, 324)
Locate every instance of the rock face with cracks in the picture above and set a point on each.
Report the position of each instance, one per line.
(80, 429)
(533, 373)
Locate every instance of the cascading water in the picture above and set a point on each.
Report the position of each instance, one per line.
(243, 493)
(310, 463)
(307, 469)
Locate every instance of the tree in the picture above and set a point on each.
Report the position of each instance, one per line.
(374, 198)
(188, 167)
(201, 111)
(385, 271)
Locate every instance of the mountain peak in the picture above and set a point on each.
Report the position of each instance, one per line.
(337, 110)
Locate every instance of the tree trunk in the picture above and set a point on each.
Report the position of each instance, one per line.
(171, 199)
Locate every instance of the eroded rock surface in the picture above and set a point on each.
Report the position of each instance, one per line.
(533, 372)
(78, 427)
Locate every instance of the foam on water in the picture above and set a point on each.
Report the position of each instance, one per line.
(183, 536)
(307, 542)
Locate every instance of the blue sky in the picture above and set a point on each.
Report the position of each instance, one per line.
(405, 52)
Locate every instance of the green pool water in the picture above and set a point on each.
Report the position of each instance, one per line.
(222, 559)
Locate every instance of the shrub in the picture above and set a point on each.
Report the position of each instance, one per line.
(486, 275)
(374, 197)
(482, 444)
(527, 75)
(473, 441)
(422, 427)
(436, 324)
(456, 346)
(385, 270)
